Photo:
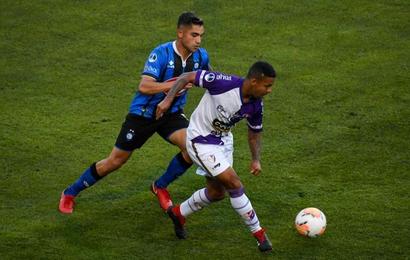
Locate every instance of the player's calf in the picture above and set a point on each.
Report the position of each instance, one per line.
(243, 206)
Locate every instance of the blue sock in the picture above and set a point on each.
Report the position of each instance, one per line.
(87, 179)
(176, 168)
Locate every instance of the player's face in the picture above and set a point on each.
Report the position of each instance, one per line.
(191, 36)
(262, 87)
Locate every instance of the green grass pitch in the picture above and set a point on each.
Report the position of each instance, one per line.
(336, 130)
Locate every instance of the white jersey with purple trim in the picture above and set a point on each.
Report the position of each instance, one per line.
(220, 108)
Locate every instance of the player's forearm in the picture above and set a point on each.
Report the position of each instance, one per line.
(152, 87)
(181, 83)
(178, 86)
(254, 141)
(165, 104)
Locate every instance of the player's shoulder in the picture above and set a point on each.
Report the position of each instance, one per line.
(164, 45)
(203, 51)
(162, 48)
(160, 53)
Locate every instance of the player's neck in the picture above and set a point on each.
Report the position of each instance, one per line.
(182, 50)
(245, 91)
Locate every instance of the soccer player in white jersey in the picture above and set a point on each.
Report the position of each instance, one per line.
(227, 100)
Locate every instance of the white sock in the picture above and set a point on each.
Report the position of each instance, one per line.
(244, 208)
(196, 202)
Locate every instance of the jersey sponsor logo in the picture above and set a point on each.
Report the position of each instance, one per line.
(223, 77)
(153, 57)
(151, 69)
(237, 117)
(220, 126)
(222, 112)
(230, 120)
(210, 77)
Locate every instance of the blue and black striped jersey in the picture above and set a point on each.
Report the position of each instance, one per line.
(164, 63)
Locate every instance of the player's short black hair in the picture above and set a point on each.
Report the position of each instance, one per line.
(189, 18)
(260, 69)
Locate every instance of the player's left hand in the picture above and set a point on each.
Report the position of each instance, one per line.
(256, 168)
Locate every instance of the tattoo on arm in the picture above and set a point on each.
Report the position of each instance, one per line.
(254, 140)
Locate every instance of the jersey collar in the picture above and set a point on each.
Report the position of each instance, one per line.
(174, 46)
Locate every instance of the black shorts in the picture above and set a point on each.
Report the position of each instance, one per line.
(136, 129)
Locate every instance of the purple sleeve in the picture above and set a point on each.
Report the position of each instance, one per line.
(216, 82)
(255, 120)
(197, 76)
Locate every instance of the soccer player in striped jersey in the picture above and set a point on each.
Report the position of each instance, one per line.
(165, 63)
(227, 100)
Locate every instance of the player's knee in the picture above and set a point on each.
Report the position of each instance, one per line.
(186, 157)
(233, 183)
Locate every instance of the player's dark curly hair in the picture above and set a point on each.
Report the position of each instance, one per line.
(260, 69)
(189, 18)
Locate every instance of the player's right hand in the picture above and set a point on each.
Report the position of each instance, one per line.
(255, 167)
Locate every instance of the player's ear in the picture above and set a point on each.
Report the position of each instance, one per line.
(180, 32)
(253, 81)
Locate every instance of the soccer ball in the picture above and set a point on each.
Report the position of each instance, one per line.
(310, 222)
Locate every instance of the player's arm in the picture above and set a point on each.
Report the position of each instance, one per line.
(183, 80)
(149, 86)
(254, 141)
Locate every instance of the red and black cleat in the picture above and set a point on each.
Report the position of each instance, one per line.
(175, 214)
(163, 196)
(263, 241)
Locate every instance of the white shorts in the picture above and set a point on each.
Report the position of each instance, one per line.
(211, 159)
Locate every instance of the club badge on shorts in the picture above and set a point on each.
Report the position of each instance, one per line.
(130, 134)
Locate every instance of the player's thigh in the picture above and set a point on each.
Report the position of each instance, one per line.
(135, 131)
(172, 128)
(210, 158)
(179, 138)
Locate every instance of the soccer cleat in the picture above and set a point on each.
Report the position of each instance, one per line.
(67, 203)
(264, 243)
(175, 214)
(163, 196)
